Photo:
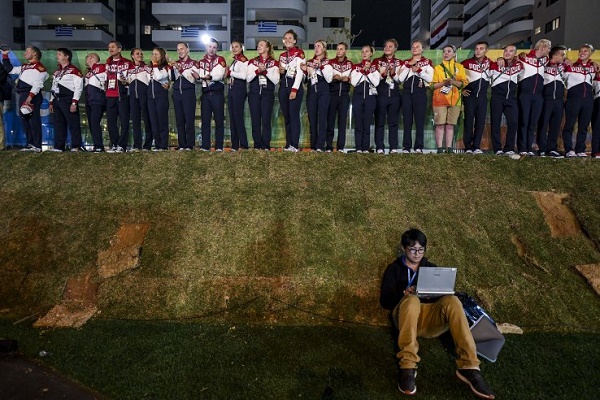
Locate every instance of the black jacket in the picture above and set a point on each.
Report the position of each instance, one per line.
(395, 281)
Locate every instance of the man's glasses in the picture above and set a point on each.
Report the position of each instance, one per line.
(414, 250)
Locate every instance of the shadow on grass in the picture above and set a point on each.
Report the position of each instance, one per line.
(160, 360)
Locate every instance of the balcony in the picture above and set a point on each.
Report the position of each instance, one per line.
(450, 11)
(481, 16)
(75, 37)
(471, 6)
(510, 9)
(168, 37)
(470, 38)
(511, 32)
(268, 10)
(253, 35)
(72, 13)
(186, 14)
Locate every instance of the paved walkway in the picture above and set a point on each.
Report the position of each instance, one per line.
(25, 379)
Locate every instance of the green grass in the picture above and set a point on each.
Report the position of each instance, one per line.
(280, 245)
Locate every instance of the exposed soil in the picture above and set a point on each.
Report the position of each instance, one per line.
(124, 252)
(591, 272)
(558, 215)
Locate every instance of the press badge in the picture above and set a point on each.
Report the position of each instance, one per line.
(291, 71)
(389, 81)
(314, 79)
(112, 83)
(372, 90)
(262, 80)
(446, 89)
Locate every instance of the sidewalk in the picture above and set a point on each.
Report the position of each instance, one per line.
(21, 378)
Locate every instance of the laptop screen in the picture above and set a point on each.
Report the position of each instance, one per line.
(436, 281)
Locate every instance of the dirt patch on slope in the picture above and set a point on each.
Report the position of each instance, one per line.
(591, 272)
(124, 252)
(558, 215)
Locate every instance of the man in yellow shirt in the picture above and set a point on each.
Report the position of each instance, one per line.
(449, 78)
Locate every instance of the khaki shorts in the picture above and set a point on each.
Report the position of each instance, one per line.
(446, 115)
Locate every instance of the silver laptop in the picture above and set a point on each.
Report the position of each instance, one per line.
(436, 281)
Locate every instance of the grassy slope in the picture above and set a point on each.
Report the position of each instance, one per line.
(291, 238)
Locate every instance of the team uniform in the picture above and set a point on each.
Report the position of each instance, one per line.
(580, 102)
(364, 101)
(67, 87)
(596, 118)
(158, 107)
(319, 75)
(261, 97)
(414, 100)
(504, 101)
(184, 101)
(291, 81)
(213, 99)
(339, 103)
(117, 102)
(475, 104)
(95, 102)
(31, 80)
(531, 99)
(553, 109)
(388, 103)
(236, 100)
(139, 78)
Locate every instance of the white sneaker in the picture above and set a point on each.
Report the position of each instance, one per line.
(53, 150)
(418, 151)
(468, 152)
(499, 153)
(554, 154)
(341, 151)
(393, 151)
(509, 153)
(477, 151)
(319, 151)
(583, 154)
(291, 149)
(570, 154)
(380, 151)
(219, 150)
(523, 153)
(530, 153)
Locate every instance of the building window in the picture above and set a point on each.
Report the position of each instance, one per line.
(552, 25)
(549, 2)
(537, 30)
(333, 22)
(312, 19)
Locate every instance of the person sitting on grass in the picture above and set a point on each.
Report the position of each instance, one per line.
(426, 317)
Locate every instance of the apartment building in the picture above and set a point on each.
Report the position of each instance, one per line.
(566, 22)
(446, 21)
(420, 18)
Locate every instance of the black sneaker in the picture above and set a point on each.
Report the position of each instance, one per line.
(474, 379)
(406, 384)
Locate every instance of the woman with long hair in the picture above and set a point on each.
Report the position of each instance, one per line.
(263, 76)
(364, 77)
(236, 97)
(290, 89)
(158, 100)
(319, 74)
(138, 77)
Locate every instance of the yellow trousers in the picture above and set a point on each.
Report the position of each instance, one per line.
(1, 126)
(429, 320)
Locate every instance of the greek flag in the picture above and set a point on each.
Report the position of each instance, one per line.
(190, 32)
(267, 26)
(63, 31)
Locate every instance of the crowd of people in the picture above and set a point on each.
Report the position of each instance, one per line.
(533, 91)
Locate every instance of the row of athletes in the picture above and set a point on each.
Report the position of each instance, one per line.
(137, 91)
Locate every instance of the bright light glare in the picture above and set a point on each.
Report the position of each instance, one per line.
(205, 39)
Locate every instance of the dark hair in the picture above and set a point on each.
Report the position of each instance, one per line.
(133, 50)
(162, 63)
(450, 46)
(556, 49)
(483, 42)
(369, 46)
(66, 52)
(412, 236)
(240, 43)
(183, 43)
(343, 44)
(119, 45)
(213, 40)
(36, 51)
(294, 34)
(269, 47)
